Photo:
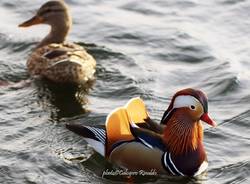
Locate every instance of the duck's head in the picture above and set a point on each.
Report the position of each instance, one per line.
(183, 129)
(54, 13)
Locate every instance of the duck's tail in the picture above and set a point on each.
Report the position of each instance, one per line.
(95, 136)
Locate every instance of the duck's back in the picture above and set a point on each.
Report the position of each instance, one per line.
(62, 63)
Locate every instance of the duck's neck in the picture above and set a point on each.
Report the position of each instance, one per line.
(182, 137)
(58, 34)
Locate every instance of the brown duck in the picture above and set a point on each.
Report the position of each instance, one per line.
(53, 58)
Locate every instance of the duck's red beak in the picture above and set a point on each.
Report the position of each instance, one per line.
(205, 117)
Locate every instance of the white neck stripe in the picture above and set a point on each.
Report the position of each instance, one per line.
(169, 156)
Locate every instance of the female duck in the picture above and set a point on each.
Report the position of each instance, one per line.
(53, 58)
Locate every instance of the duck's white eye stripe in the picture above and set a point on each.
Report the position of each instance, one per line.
(185, 101)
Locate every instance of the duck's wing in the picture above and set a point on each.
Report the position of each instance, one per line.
(104, 139)
(118, 128)
(138, 114)
(149, 138)
(136, 110)
(62, 63)
(59, 54)
(55, 53)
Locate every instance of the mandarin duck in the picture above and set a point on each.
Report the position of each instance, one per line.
(53, 58)
(131, 140)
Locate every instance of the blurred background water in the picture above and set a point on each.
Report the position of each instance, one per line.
(145, 48)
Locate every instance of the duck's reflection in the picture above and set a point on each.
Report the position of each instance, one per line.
(63, 101)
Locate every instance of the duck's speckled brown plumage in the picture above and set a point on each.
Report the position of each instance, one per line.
(63, 63)
(54, 58)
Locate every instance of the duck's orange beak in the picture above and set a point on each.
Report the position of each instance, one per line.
(33, 21)
(205, 117)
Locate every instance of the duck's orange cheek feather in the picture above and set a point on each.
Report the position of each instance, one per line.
(183, 132)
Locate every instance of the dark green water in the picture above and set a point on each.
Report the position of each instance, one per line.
(149, 49)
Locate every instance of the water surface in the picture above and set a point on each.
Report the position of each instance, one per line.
(149, 49)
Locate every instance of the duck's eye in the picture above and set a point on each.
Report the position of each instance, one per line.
(192, 107)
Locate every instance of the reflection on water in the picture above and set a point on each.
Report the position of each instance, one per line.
(63, 100)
